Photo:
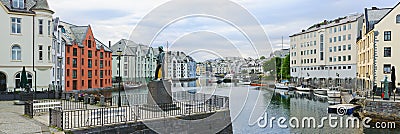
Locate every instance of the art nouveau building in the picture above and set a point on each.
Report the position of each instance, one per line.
(378, 45)
(138, 62)
(326, 52)
(26, 40)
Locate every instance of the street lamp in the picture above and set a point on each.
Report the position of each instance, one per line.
(59, 59)
(119, 52)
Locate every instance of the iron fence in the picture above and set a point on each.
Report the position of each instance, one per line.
(86, 118)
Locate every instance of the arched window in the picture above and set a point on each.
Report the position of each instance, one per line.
(16, 52)
(398, 18)
(18, 79)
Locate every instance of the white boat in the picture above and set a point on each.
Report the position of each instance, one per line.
(281, 86)
(333, 101)
(127, 86)
(321, 91)
(333, 92)
(303, 89)
(303, 92)
(320, 96)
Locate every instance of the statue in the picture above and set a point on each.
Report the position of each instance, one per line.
(160, 61)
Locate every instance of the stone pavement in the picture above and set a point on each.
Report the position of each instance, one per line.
(12, 120)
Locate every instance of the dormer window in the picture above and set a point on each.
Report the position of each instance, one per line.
(18, 4)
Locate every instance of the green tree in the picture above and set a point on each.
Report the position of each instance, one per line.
(262, 57)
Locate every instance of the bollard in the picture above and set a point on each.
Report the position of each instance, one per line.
(92, 100)
(76, 97)
(102, 100)
(86, 99)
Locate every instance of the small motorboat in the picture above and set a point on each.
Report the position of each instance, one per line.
(333, 92)
(321, 91)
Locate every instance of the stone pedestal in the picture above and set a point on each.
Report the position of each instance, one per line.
(159, 96)
(159, 92)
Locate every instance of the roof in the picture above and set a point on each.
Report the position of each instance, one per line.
(29, 6)
(374, 15)
(331, 23)
(79, 33)
(100, 45)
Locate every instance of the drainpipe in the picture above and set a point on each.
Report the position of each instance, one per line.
(33, 51)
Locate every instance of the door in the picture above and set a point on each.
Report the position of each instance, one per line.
(3, 82)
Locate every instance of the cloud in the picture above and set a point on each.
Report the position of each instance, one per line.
(114, 20)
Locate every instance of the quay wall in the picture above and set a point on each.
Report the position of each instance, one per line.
(382, 111)
(218, 122)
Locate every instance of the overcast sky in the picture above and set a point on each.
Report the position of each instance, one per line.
(205, 37)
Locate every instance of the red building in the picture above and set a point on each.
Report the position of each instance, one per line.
(88, 61)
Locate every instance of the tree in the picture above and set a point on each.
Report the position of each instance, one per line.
(262, 57)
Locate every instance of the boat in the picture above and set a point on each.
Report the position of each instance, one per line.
(343, 109)
(257, 83)
(334, 101)
(283, 85)
(245, 81)
(333, 92)
(303, 89)
(130, 86)
(228, 78)
(321, 91)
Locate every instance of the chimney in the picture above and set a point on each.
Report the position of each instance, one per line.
(109, 44)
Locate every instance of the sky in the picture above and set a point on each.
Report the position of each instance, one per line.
(212, 29)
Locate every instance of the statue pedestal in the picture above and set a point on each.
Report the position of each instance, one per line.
(159, 96)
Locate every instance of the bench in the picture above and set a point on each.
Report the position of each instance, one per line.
(106, 114)
(43, 107)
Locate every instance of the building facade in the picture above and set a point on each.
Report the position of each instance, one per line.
(326, 54)
(138, 62)
(377, 46)
(88, 61)
(27, 40)
(58, 57)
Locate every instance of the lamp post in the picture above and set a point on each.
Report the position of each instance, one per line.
(119, 76)
(59, 59)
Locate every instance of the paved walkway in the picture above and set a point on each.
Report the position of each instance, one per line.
(12, 120)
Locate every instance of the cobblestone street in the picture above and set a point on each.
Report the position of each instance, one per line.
(12, 120)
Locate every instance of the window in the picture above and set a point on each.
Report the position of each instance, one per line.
(15, 25)
(83, 72)
(68, 60)
(90, 53)
(339, 48)
(387, 36)
(344, 27)
(83, 83)
(101, 73)
(334, 39)
(330, 40)
(75, 52)
(321, 56)
(89, 83)
(74, 85)
(344, 47)
(349, 47)
(344, 37)
(83, 61)
(339, 58)
(40, 52)
(49, 53)
(89, 43)
(74, 62)
(349, 37)
(67, 72)
(387, 52)
(349, 26)
(74, 74)
(330, 30)
(18, 79)
(18, 4)
(101, 55)
(386, 68)
(334, 29)
(334, 49)
(90, 74)
(48, 27)
(339, 38)
(334, 59)
(349, 57)
(101, 63)
(40, 26)
(330, 49)
(16, 53)
(89, 63)
(344, 58)
(330, 59)
(398, 18)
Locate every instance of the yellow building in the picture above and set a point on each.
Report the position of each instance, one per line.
(376, 46)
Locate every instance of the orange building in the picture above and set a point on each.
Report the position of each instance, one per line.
(88, 61)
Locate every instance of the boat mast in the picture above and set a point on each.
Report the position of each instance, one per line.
(281, 59)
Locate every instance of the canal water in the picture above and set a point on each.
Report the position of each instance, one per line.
(245, 109)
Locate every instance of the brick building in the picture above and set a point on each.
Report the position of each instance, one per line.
(88, 61)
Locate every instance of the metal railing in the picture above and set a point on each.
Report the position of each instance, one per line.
(87, 118)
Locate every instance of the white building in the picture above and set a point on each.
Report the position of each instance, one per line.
(138, 62)
(26, 39)
(58, 56)
(326, 51)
